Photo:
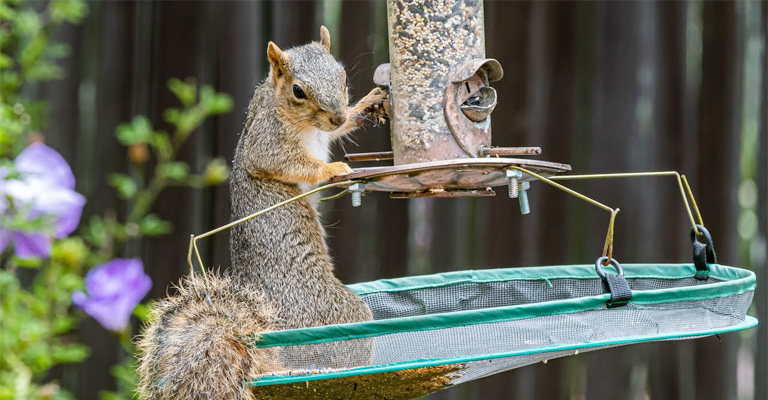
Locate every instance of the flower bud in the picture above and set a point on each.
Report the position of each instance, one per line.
(138, 153)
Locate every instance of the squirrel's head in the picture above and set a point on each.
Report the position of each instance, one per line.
(310, 84)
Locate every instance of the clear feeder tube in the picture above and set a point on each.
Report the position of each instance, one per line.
(428, 41)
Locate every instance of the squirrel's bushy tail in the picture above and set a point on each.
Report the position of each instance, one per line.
(195, 350)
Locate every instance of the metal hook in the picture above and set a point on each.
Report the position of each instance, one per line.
(608, 246)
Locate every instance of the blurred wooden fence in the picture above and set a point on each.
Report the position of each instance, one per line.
(606, 87)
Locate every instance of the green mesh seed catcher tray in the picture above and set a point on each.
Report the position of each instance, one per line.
(435, 331)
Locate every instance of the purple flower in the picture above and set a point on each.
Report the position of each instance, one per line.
(114, 289)
(45, 188)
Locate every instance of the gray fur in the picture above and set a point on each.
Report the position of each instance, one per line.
(281, 275)
(326, 81)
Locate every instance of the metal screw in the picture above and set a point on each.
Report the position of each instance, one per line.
(357, 189)
(525, 207)
(513, 175)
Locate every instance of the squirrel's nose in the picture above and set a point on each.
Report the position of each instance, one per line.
(338, 119)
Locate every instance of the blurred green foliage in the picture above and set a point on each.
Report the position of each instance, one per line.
(28, 55)
(36, 321)
(38, 325)
(141, 187)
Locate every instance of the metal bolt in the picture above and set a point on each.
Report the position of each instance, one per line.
(357, 189)
(513, 175)
(525, 207)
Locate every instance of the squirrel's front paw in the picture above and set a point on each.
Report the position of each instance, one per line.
(372, 106)
(337, 169)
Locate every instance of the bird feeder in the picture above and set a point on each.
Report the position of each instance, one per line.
(432, 332)
(440, 105)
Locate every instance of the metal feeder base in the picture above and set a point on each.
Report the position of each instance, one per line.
(466, 177)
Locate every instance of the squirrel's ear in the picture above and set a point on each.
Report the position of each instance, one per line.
(325, 38)
(276, 59)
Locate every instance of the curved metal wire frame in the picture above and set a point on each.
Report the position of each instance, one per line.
(607, 247)
(194, 238)
(682, 184)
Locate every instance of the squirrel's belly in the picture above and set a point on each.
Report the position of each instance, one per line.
(283, 254)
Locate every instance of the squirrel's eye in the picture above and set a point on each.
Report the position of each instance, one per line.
(298, 92)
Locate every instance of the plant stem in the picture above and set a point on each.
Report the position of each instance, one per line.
(145, 199)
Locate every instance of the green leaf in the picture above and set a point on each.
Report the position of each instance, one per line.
(162, 144)
(96, 232)
(185, 91)
(27, 23)
(70, 282)
(172, 116)
(56, 50)
(31, 51)
(7, 279)
(125, 186)
(71, 11)
(126, 379)
(5, 61)
(152, 225)
(21, 220)
(141, 312)
(63, 394)
(9, 80)
(176, 170)
(38, 357)
(70, 353)
(63, 324)
(44, 71)
(214, 103)
(216, 172)
(32, 262)
(104, 395)
(186, 121)
(10, 168)
(6, 12)
(70, 252)
(139, 130)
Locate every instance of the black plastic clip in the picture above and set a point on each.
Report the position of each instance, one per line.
(703, 253)
(617, 284)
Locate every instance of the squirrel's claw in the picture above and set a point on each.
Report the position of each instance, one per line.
(339, 169)
(373, 108)
(380, 115)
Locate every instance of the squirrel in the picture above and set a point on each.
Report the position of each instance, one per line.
(281, 275)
